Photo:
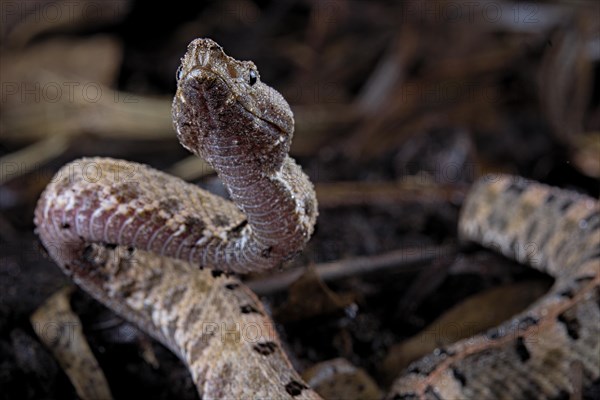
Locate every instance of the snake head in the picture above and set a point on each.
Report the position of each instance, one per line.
(217, 93)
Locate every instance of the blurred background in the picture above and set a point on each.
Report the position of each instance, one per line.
(399, 107)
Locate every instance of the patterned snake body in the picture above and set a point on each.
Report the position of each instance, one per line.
(134, 238)
(540, 352)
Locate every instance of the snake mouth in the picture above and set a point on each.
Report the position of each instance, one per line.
(200, 75)
(203, 74)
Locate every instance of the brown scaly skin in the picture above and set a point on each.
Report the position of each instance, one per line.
(111, 225)
(116, 227)
(223, 112)
(533, 355)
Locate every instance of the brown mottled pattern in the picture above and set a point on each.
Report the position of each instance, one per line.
(533, 355)
(134, 238)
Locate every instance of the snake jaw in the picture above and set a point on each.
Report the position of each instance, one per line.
(206, 58)
(210, 119)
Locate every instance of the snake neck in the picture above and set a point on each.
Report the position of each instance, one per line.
(249, 154)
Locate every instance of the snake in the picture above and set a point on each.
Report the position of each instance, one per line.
(168, 255)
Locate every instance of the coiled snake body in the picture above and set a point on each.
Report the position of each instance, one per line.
(135, 238)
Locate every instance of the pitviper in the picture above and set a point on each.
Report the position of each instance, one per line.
(136, 239)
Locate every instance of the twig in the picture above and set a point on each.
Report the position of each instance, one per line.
(191, 168)
(331, 195)
(408, 259)
(25, 160)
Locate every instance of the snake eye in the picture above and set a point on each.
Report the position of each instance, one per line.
(179, 73)
(252, 77)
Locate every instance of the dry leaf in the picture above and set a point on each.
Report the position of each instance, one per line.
(60, 330)
(339, 379)
(474, 315)
(309, 296)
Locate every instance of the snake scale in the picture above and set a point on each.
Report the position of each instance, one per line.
(136, 239)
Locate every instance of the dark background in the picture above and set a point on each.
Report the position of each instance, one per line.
(399, 107)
